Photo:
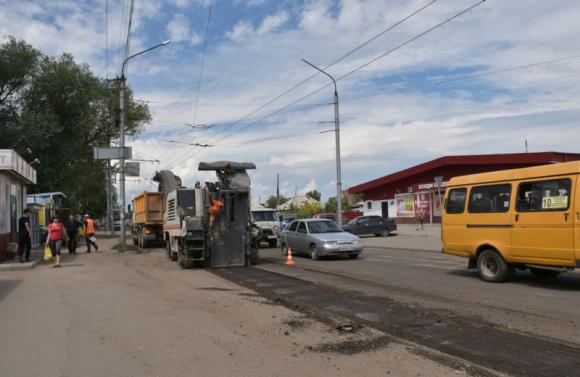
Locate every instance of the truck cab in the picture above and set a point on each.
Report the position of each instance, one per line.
(269, 226)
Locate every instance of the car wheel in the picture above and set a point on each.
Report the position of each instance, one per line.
(284, 249)
(314, 252)
(353, 256)
(492, 268)
(385, 233)
(540, 273)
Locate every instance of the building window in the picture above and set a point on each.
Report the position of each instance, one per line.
(369, 205)
(456, 200)
(553, 195)
(490, 199)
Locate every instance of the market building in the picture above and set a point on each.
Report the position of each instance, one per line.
(401, 195)
(15, 175)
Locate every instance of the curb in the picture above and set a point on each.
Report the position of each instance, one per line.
(16, 266)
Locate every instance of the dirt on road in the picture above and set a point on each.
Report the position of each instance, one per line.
(111, 314)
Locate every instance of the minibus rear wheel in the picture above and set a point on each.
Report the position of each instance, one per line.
(493, 268)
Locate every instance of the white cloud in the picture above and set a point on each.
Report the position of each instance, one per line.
(272, 22)
(178, 28)
(240, 30)
(380, 134)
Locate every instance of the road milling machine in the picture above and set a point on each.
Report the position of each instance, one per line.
(210, 225)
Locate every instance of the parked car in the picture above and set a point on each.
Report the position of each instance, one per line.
(285, 222)
(376, 225)
(318, 238)
(346, 216)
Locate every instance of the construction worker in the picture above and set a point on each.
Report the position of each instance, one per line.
(89, 228)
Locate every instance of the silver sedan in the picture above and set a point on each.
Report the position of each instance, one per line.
(318, 238)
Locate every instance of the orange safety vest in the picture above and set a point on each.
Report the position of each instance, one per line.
(90, 227)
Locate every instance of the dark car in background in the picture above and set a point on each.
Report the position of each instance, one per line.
(376, 225)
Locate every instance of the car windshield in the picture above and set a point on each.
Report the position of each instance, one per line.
(354, 221)
(264, 215)
(323, 227)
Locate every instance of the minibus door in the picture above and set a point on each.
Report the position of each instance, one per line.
(543, 229)
(577, 222)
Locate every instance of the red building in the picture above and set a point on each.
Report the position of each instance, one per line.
(402, 194)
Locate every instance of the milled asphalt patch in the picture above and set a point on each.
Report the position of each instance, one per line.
(445, 331)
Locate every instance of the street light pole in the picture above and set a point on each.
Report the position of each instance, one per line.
(337, 140)
(122, 139)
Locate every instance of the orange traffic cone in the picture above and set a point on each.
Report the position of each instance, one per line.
(289, 260)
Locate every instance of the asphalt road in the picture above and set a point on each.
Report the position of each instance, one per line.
(137, 314)
(434, 280)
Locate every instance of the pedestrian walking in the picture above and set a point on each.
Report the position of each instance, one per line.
(420, 217)
(24, 237)
(56, 234)
(72, 227)
(89, 228)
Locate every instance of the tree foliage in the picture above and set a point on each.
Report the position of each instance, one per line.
(331, 206)
(58, 110)
(307, 209)
(314, 195)
(273, 201)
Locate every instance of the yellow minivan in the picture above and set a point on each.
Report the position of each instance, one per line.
(523, 218)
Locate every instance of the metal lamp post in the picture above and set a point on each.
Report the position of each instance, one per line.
(337, 138)
(122, 138)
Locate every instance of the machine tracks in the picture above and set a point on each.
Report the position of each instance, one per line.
(459, 337)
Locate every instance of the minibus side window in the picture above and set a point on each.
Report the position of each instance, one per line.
(456, 200)
(490, 199)
(552, 195)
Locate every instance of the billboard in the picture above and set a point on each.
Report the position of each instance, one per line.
(405, 204)
(423, 203)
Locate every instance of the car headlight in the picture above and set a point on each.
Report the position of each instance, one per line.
(357, 240)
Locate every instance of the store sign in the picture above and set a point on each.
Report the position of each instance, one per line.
(10, 160)
(405, 205)
(431, 185)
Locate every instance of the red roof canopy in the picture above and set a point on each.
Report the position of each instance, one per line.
(517, 159)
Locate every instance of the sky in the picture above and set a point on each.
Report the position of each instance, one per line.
(471, 86)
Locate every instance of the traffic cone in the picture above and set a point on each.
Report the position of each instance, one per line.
(289, 260)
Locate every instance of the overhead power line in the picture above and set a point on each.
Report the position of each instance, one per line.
(202, 64)
(352, 51)
(388, 52)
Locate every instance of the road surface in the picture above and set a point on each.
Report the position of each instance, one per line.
(110, 314)
(546, 308)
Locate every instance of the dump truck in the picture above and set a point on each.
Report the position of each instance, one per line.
(209, 225)
(147, 227)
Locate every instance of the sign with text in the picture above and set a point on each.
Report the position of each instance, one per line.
(132, 169)
(112, 153)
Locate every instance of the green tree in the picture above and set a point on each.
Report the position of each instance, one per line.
(330, 205)
(307, 209)
(314, 195)
(272, 201)
(64, 110)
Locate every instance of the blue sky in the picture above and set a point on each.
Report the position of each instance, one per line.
(395, 112)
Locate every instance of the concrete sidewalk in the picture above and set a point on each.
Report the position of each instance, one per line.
(409, 238)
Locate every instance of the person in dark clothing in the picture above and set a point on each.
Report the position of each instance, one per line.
(24, 237)
(72, 229)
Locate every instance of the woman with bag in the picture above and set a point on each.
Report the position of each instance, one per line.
(56, 234)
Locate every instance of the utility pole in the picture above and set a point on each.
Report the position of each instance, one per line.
(277, 195)
(110, 227)
(337, 141)
(122, 140)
